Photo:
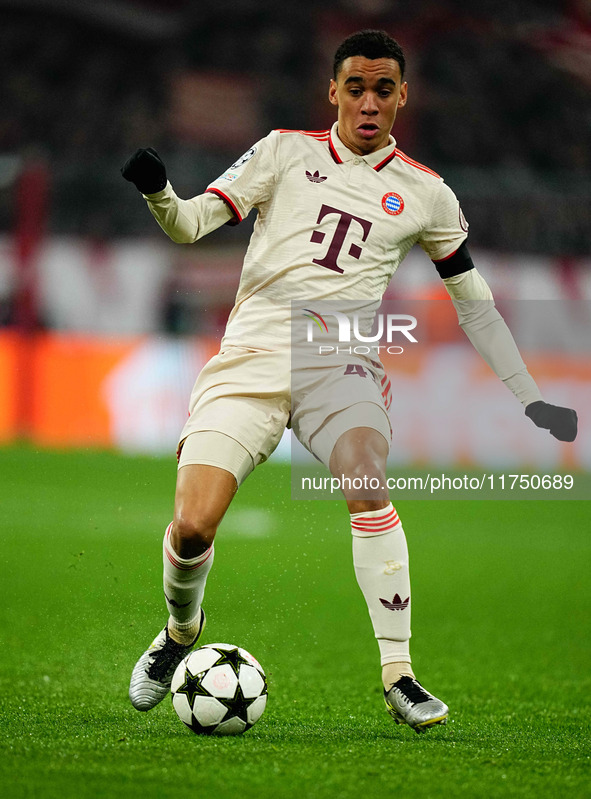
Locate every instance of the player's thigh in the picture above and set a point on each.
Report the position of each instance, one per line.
(203, 495)
(213, 464)
(244, 395)
(359, 451)
(336, 394)
(354, 444)
(353, 438)
(211, 467)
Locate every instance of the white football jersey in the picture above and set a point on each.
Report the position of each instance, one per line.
(331, 225)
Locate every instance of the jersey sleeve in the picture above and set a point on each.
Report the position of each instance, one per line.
(186, 221)
(446, 227)
(490, 336)
(250, 181)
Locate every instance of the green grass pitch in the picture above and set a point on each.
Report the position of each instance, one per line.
(500, 632)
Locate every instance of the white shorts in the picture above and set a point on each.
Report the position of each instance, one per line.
(325, 387)
(244, 394)
(247, 396)
(362, 414)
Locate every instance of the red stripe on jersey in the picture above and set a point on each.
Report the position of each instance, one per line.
(386, 160)
(333, 152)
(416, 164)
(227, 200)
(315, 134)
(439, 260)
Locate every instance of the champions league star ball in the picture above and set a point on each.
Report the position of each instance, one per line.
(219, 689)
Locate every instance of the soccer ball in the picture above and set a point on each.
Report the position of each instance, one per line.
(219, 689)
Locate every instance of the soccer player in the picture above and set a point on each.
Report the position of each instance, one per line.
(338, 210)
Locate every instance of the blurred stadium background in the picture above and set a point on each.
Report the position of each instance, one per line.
(104, 323)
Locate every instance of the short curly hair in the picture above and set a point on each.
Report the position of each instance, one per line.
(369, 44)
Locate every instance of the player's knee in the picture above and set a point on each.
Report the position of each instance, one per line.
(360, 453)
(365, 467)
(364, 481)
(367, 505)
(193, 533)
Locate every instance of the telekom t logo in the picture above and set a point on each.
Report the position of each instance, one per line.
(334, 248)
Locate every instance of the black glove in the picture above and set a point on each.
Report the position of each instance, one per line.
(146, 170)
(561, 422)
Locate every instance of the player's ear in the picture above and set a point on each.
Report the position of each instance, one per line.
(332, 92)
(403, 95)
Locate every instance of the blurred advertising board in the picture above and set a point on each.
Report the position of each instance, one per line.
(87, 391)
(132, 394)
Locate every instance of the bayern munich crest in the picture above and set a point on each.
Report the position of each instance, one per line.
(392, 203)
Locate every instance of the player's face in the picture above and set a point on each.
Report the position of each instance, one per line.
(368, 93)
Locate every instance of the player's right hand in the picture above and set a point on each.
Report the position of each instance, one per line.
(561, 422)
(146, 170)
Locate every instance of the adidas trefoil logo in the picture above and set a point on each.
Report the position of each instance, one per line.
(176, 604)
(316, 177)
(396, 603)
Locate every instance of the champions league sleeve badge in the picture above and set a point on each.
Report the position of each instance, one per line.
(244, 158)
(463, 223)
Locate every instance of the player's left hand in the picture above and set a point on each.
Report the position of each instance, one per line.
(561, 422)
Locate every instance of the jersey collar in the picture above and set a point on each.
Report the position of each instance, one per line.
(376, 160)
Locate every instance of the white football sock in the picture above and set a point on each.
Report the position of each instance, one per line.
(184, 586)
(380, 557)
